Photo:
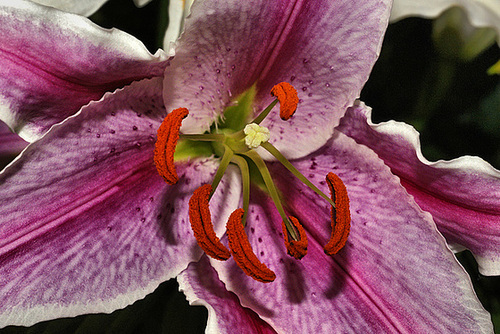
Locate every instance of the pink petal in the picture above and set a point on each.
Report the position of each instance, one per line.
(202, 286)
(325, 48)
(463, 195)
(395, 275)
(52, 63)
(87, 224)
(10, 143)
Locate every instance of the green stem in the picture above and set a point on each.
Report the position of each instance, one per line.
(271, 188)
(277, 154)
(226, 159)
(245, 179)
(264, 113)
(203, 137)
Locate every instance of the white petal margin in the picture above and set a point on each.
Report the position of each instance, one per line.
(141, 3)
(84, 8)
(54, 62)
(481, 13)
(201, 285)
(463, 194)
(178, 10)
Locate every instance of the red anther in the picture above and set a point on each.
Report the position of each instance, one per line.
(168, 134)
(295, 248)
(242, 251)
(287, 97)
(341, 216)
(201, 223)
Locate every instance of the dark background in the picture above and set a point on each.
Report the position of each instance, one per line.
(455, 106)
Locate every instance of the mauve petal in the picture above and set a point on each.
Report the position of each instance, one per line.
(463, 195)
(481, 13)
(87, 224)
(325, 48)
(201, 285)
(395, 275)
(10, 142)
(85, 8)
(52, 63)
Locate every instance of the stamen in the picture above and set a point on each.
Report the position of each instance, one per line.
(201, 223)
(242, 251)
(255, 135)
(297, 249)
(288, 98)
(168, 134)
(281, 158)
(226, 159)
(341, 216)
(245, 180)
(271, 188)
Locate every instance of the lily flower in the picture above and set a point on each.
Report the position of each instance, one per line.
(89, 223)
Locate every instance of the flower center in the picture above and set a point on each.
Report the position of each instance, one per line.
(236, 143)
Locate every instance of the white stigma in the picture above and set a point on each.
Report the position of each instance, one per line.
(256, 135)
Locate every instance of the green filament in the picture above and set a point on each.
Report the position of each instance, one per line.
(277, 154)
(271, 188)
(245, 179)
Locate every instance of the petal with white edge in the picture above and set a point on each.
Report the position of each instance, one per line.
(201, 285)
(463, 195)
(87, 225)
(52, 63)
(395, 274)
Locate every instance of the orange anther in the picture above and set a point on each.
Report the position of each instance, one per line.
(287, 97)
(201, 223)
(168, 134)
(341, 216)
(242, 251)
(295, 248)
